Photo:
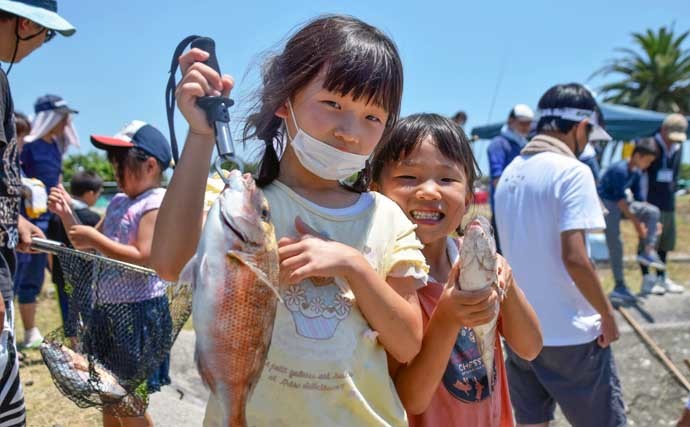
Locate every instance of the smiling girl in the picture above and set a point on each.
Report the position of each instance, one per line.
(350, 261)
(427, 167)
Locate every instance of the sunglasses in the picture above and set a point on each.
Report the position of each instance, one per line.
(50, 34)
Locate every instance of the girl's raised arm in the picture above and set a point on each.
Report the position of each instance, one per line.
(180, 220)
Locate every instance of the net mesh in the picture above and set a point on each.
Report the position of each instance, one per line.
(122, 322)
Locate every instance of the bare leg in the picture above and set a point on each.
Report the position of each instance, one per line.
(28, 313)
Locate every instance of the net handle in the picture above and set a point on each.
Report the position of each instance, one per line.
(57, 248)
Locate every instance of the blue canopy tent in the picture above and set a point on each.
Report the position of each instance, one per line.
(623, 123)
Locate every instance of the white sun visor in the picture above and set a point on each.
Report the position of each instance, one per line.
(577, 115)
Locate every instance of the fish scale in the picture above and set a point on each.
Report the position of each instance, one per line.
(235, 279)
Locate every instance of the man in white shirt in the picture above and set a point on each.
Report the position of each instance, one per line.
(546, 201)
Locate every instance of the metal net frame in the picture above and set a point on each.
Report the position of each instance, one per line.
(121, 324)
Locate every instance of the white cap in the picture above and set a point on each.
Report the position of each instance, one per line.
(522, 112)
(577, 115)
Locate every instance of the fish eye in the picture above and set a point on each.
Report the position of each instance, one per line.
(265, 214)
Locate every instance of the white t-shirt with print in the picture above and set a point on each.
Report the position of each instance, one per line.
(325, 366)
(538, 197)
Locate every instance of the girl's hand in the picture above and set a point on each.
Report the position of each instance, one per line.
(311, 255)
(83, 236)
(59, 201)
(199, 80)
(469, 308)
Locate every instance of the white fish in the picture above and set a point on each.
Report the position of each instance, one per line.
(477, 270)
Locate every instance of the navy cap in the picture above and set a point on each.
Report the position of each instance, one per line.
(141, 135)
(52, 102)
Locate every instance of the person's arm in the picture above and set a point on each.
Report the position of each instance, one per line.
(27, 231)
(85, 237)
(496, 157)
(184, 198)
(580, 269)
(520, 325)
(417, 381)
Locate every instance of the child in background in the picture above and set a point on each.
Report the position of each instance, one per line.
(85, 187)
(328, 99)
(428, 168)
(616, 181)
(139, 154)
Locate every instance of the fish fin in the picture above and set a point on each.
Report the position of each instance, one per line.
(263, 277)
(188, 272)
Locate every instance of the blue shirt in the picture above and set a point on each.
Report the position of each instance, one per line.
(42, 160)
(502, 150)
(616, 179)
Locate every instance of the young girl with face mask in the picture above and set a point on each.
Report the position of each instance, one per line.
(427, 167)
(350, 261)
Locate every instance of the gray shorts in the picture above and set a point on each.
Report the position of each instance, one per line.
(582, 379)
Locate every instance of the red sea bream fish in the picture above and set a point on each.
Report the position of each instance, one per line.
(477, 270)
(235, 278)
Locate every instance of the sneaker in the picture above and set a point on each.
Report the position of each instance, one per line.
(622, 295)
(670, 286)
(650, 285)
(32, 339)
(651, 259)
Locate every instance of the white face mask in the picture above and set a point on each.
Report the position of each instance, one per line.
(322, 159)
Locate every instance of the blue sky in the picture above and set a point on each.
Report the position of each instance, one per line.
(115, 68)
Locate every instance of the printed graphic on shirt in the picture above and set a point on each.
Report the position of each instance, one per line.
(10, 192)
(317, 307)
(465, 377)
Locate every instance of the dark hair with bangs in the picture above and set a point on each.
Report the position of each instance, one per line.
(359, 60)
(133, 159)
(449, 138)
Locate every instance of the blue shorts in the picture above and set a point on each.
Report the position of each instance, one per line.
(133, 340)
(582, 379)
(28, 280)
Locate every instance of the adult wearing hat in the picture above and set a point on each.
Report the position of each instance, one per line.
(24, 26)
(41, 159)
(504, 148)
(662, 177)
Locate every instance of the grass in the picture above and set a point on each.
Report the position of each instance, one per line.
(47, 407)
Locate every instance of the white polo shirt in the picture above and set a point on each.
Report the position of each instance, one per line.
(540, 196)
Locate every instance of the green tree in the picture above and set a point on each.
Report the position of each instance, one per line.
(91, 161)
(657, 77)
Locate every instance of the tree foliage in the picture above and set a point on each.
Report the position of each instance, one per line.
(91, 161)
(656, 76)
